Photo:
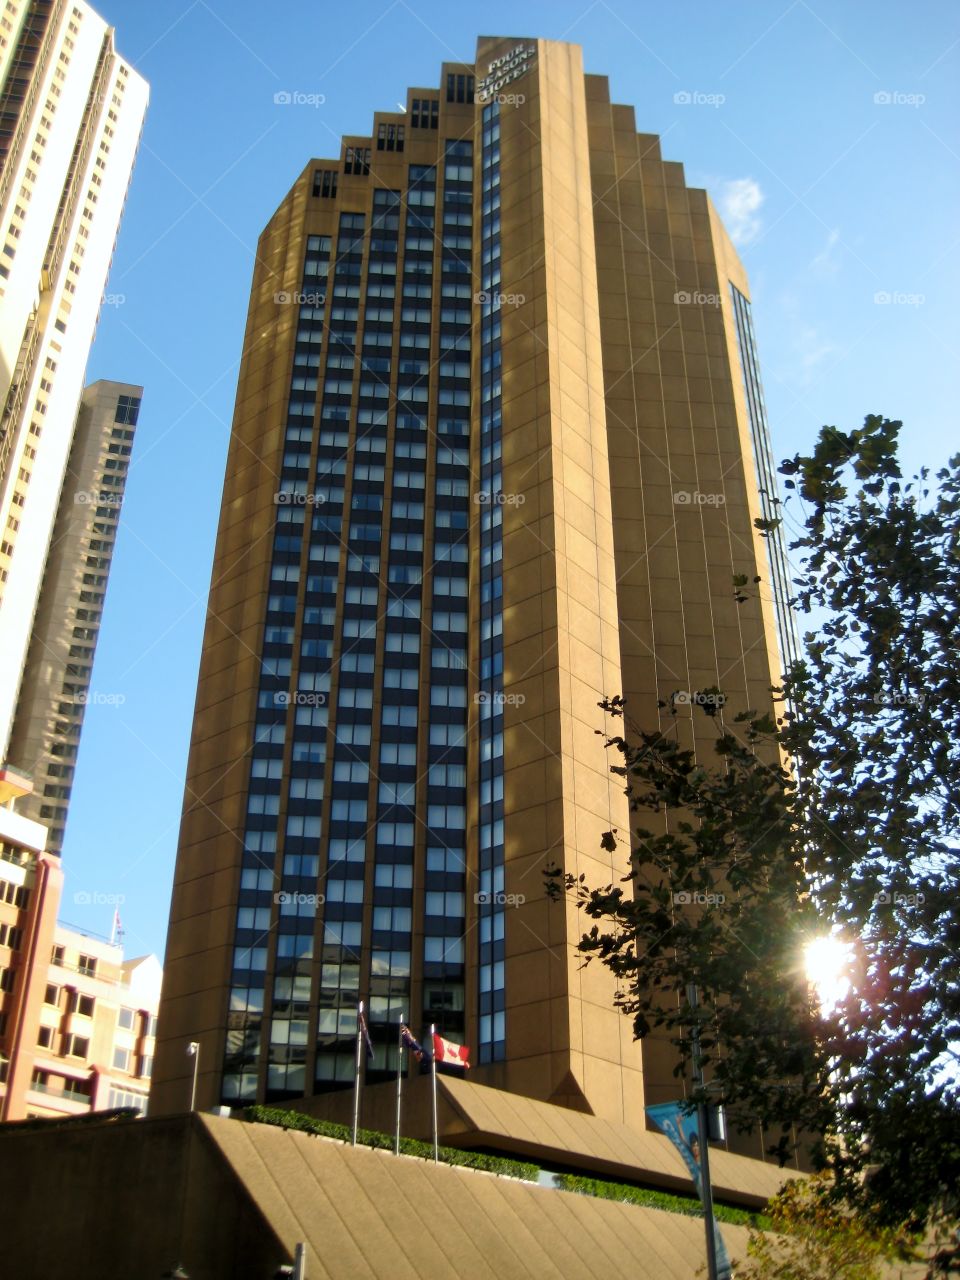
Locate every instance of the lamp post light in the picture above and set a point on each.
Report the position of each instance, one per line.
(193, 1051)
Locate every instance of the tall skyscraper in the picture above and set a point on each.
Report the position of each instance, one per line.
(494, 457)
(71, 110)
(55, 688)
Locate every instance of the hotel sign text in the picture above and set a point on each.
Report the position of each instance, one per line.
(505, 69)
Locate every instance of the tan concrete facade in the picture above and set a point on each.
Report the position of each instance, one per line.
(227, 1200)
(628, 493)
(231, 1201)
(684, 487)
(561, 647)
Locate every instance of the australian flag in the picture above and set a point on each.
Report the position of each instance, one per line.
(408, 1041)
(365, 1032)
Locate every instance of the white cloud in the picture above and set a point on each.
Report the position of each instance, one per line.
(739, 200)
(825, 263)
(811, 350)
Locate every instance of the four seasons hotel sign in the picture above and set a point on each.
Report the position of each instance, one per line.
(505, 69)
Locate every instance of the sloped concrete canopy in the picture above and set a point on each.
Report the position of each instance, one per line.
(480, 1118)
(230, 1201)
(118, 1200)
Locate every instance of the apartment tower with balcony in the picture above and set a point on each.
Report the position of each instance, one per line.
(71, 111)
(55, 688)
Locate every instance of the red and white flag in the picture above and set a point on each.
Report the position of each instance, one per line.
(445, 1051)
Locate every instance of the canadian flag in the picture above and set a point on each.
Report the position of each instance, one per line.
(445, 1051)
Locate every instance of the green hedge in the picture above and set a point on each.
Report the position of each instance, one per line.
(498, 1164)
(385, 1141)
(659, 1200)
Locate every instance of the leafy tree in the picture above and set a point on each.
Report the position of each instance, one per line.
(750, 855)
(812, 1239)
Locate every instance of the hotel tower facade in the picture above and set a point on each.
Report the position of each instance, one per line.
(498, 450)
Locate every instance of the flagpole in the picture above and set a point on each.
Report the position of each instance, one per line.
(356, 1083)
(396, 1145)
(706, 1190)
(433, 1072)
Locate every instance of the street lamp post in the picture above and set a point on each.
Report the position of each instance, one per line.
(706, 1190)
(193, 1051)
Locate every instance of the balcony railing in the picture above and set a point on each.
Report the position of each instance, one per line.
(69, 1095)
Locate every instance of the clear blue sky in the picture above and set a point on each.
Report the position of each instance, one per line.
(835, 197)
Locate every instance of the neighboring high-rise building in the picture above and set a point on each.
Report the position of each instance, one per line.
(55, 688)
(491, 460)
(71, 111)
(77, 1021)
